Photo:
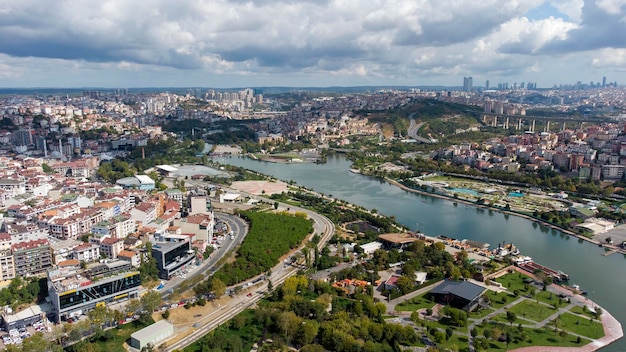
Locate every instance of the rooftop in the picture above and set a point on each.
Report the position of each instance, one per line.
(398, 238)
(462, 289)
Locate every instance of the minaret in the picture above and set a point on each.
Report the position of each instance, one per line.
(45, 149)
(61, 148)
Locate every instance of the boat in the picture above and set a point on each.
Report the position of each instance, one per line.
(531, 267)
(355, 171)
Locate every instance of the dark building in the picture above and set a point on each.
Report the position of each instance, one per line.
(172, 257)
(458, 294)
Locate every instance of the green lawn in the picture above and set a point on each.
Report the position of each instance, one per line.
(532, 311)
(514, 281)
(580, 310)
(544, 339)
(581, 326)
(502, 319)
(497, 298)
(479, 315)
(414, 304)
(454, 343)
(550, 298)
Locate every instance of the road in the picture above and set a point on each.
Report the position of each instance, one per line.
(321, 226)
(239, 228)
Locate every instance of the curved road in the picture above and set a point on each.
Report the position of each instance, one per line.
(239, 228)
(321, 226)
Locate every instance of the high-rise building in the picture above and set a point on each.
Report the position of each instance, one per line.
(486, 84)
(467, 84)
(604, 81)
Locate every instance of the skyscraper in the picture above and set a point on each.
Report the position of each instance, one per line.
(604, 81)
(467, 84)
(486, 84)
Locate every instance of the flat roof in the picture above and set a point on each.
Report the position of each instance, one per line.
(149, 330)
(29, 312)
(398, 238)
(231, 196)
(167, 168)
(145, 179)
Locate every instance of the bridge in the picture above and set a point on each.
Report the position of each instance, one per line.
(518, 121)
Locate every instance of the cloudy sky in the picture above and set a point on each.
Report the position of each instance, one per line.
(235, 43)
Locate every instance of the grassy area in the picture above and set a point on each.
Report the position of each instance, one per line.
(454, 343)
(112, 341)
(498, 299)
(414, 304)
(532, 311)
(514, 281)
(550, 298)
(581, 326)
(479, 315)
(538, 337)
(502, 319)
(582, 311)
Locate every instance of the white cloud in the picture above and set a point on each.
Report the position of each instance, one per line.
(376, 40)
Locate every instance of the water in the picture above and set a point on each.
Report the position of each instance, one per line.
(601, 276)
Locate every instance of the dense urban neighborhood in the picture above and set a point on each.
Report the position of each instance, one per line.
(118, 208)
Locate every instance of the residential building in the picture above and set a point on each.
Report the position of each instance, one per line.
(199, 224)
(86, 252)
(130, 256)
(32, 257)
(110, 247)
(144, 212)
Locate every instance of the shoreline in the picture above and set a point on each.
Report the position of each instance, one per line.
(508, 212)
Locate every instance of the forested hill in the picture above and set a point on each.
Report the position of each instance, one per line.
(440, 118)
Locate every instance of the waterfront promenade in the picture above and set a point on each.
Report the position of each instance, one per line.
(612, 248)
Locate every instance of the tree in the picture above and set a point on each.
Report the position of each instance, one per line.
(218, 287)
(151, 300)
(275, 205)
(511, 317)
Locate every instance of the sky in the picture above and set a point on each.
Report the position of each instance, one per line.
(309, 43)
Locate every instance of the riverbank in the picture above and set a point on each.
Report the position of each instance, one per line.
(505, 211)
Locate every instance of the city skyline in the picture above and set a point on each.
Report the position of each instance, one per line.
(233, 43)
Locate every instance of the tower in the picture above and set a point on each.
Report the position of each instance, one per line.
(467, 84)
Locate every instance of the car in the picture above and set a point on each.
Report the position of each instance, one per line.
(249, 294)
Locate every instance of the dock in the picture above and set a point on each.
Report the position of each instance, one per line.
(608, 253)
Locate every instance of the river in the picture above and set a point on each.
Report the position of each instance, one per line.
(599, 275)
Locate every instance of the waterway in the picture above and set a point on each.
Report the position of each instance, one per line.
(600, 276)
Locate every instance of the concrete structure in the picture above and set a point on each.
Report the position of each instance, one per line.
(152, 335)
(370, 248)
(199, 205)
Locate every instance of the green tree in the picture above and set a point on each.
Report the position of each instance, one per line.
(151, 300)
(218, 287)
(511, 317)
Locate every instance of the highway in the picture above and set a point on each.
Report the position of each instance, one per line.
(321, 226)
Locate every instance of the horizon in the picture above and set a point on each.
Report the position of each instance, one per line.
(329, 43)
